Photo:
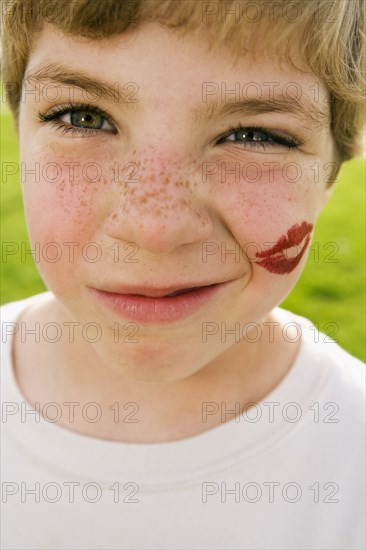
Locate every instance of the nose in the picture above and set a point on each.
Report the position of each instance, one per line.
(160, 212)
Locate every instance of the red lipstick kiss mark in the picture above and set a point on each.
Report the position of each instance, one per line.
(275, 260)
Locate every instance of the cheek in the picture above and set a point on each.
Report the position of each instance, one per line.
(63, 201)
(271, 214)
(261, 202)
(62, 197)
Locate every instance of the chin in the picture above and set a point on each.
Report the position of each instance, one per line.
(154, 362)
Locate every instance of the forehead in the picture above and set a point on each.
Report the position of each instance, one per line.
(168, 67)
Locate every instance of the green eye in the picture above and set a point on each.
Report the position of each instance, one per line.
(86, 119)
(82, 120)
(251, 135)
(259, 138)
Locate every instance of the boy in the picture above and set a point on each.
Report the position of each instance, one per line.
(166, 132)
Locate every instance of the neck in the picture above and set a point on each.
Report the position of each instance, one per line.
(103, 402)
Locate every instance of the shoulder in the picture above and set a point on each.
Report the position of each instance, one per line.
(345, 374)
(11, 315)
(11, 311)
(317, 342)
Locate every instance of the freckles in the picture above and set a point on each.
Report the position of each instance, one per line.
(72, 200)
(77, 202)
(285, 255)
(157, 191)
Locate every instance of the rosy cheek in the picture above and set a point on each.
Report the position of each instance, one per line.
(261, 199)
(62, 198)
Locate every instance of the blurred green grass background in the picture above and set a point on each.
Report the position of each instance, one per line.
(330, 292)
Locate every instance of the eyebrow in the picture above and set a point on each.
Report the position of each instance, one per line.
(306, 109)
(63, 75)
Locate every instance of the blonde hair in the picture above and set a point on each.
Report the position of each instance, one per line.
(329, 33)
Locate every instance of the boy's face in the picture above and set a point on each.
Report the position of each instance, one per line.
(163, 193)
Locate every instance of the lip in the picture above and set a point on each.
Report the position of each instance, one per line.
(154, 292)
(156, 307)
(275, 260)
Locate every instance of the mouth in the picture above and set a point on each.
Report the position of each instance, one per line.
(158, 293)
(158, 305)
(155, 292)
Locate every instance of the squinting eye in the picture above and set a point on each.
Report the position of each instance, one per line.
(259, 138)
(244, 134)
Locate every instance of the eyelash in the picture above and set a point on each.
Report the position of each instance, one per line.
(53, 117)
(277, 140)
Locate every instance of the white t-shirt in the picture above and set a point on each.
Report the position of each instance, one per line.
(288, 474)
